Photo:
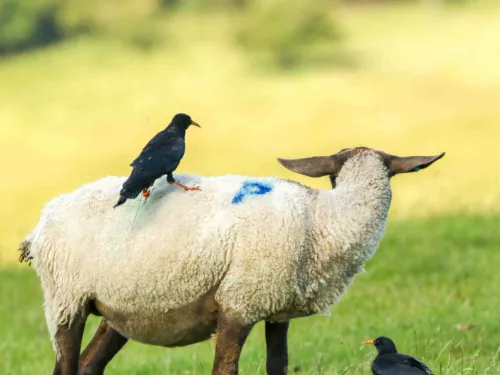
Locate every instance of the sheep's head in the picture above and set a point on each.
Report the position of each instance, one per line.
(318, 166)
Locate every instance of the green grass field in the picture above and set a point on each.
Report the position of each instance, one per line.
(427, 277)
(424, 80)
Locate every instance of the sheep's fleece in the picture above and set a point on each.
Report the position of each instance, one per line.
(281, 252)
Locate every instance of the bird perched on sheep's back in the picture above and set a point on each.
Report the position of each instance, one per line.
(390, 362)
(160, 156)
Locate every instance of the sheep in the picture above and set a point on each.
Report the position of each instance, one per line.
(242, 250)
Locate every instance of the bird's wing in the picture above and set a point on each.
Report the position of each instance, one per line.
(417, 364)
(163, 147)
(158, 160)
(156, 142)
(398, 364)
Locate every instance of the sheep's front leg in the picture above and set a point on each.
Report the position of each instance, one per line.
(68, 340)
(105, 344)
(277, 348)
(231, 335)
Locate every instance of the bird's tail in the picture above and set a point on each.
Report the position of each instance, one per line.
(120, 201)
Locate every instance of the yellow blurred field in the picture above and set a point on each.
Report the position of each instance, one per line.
(425, 81)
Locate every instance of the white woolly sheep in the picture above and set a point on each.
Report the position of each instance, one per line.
(239, 251)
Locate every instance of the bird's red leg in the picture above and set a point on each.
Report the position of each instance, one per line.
(145, 194)
(183, 187)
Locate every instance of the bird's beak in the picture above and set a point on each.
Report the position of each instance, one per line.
(368, 342)
(195, 123)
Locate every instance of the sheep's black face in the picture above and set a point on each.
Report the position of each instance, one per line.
(318, 166)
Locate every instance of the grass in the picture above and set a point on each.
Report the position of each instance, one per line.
(425, 81)
(428, 276)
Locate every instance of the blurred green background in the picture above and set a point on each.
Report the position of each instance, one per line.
(85, 84)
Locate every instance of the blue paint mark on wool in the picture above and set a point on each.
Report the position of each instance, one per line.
(252, 188)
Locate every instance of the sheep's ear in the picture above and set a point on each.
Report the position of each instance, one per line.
(407, 164)
(317, 166)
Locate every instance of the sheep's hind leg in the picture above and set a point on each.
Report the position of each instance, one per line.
(68, 340)
(277, 348)
(230, 338)
(105, 344)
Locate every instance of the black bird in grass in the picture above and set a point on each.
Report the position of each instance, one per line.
(160, 156)
(390, 362)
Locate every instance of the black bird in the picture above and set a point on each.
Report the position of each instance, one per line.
(390, 362)
(160, 156)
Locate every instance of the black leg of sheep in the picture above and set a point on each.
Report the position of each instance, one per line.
(230, 338)
(68, 338)
(105, 344)
(277, 348)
